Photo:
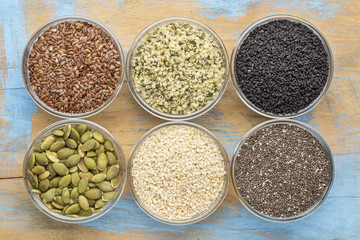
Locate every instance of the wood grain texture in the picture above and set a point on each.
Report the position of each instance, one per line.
(336, 117)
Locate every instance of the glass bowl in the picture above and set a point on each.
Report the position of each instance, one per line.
(262, 22)
(130, 79)
(313, 133)
(25, 73)
(119, 190)
(200, 216)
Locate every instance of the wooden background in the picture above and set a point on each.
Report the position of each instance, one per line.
(336, 118)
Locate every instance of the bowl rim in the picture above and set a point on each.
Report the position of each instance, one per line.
(119, 190)
(263, 21)
(152, 110)
(315, 134)
(214, 205)
(29, 46)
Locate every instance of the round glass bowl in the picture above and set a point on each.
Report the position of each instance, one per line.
(25, 73)
(200, 216)
(119, 190)
(130, 79)
(262, 22)
(313, 133)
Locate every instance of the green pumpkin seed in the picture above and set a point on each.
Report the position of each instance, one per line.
(91, 185)
(100, 203)
(91, 202)
(56, 211)
(65, 181)
(98, 178)
(56, 146)
(75, 178)
(97, 145)
(58, 133)
(96, 171)
(54, 183)
(101, 161)
(37, 147)
(87, 175)
(44, 175)
(83, 202)
(81, 165)
(83, 183)
(59, 200)
(38, 170)
(109, 146)
(65, 208)
(94, 193)
(41, 159)
(71, 143)
(49, 195)
(64, 153)
(100, 150)
(63, 161)
(44, 185)
(90, 163)
(58, 191)
(47, 142)
(73, 160)
(86, 213)
(30, 185)
(88, 145)
(38, 192)
(73, 215)
(98, 210)
(81, 152)
(91, 154)
(52, 156)
(31, 177)
(112, 172)
(108, 196)
(115, 182)
(50, 168)
(60, 169)
(31, 160)
(73, 169)
(73, 209)
(74, 193)
(36, 186)
(85, 137)
(58, 206)
(81, 129)
(67, 131)
(112, 160)
(98, 136)
(48, 205)
(105, 186)
(65, 194)
(74, 135)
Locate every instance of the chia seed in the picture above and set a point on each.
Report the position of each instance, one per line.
(282, 170)
(282, 67)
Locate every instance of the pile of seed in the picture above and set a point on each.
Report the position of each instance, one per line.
(282, 170)
(178, 68)
(74, 67)
(178, 172)
(282, 67)
(75, 171)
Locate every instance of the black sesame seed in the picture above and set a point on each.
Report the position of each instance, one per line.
(282, 67)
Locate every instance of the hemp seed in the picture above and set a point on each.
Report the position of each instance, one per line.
(178, 68)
